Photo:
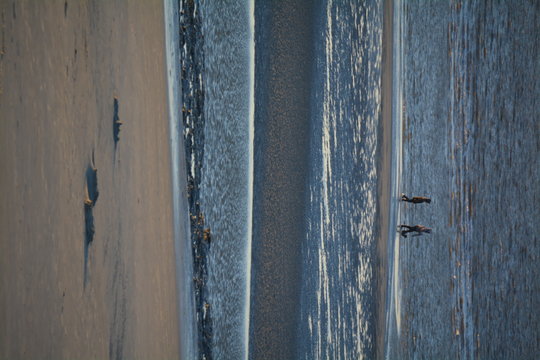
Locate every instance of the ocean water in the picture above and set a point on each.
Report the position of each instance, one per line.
(292, 108)
(334, 277)
(338, 310)
(470, 141)
(210, 77)
(226, 175)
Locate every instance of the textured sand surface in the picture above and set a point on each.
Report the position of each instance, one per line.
(61, 66)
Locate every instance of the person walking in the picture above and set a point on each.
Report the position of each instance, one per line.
(418, 229)
(415, 199)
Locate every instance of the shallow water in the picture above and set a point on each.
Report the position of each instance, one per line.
(182, 241)
(470, 141)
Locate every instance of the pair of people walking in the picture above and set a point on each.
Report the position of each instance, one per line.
(418, 229)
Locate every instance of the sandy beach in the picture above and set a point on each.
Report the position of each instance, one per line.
(62, 64)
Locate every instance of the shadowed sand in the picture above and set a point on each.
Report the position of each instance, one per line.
(61, 66)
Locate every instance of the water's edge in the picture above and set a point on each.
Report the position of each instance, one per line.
(182, 246)
(391, 338)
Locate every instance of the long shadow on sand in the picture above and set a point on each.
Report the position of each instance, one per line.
(92, 195)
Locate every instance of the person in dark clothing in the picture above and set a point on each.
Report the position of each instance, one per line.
(418, 229)
(415, 199)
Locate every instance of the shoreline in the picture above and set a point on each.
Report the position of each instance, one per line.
(181, 227)
(191, 47)
(384, 180)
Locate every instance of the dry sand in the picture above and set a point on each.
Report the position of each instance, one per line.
(61, 65)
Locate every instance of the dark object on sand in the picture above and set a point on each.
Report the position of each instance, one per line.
(92, 194)
(416, 199)
(116, 123)
(418, 229)
(91, 197)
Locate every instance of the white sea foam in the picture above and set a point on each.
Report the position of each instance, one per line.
(227, 172)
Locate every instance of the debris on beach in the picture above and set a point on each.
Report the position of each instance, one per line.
(206, 309)
(207, 236)
(92, 192)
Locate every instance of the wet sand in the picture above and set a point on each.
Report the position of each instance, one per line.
(384, 186)
(62, 64)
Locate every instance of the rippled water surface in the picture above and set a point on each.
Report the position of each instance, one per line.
(226, 174)
(466, 133)
(470, 141)
(338, 310)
